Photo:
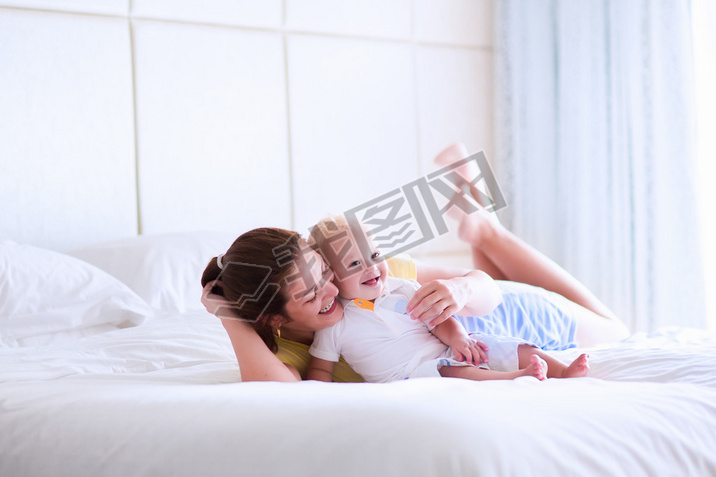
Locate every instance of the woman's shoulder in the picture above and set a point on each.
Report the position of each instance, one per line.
(402, 266)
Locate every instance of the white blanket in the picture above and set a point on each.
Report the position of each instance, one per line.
(163, 398)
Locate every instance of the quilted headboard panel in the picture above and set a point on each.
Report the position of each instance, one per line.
(119, 118)
(66, 143)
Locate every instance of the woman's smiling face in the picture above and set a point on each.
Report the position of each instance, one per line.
(311, 298)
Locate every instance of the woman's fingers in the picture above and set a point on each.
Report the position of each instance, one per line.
(432, 302)
(417, 299)
(207, 288)
(442, 316)
(205, 292)
(211, 301)
(421, 308)
(427, 309)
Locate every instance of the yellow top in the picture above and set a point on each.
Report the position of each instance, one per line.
(296, 354)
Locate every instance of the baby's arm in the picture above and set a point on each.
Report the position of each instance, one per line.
(320, 370)
(325, 353)
(464, 348)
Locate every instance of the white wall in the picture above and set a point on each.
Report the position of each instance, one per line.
(150, 116)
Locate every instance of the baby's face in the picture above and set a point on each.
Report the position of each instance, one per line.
(364, 276)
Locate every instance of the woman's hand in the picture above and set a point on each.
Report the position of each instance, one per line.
(216, 304)
(256, 361)
(449, 291)
(437, 301)
(471, 351)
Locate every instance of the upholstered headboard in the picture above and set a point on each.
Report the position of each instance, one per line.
(126, 117)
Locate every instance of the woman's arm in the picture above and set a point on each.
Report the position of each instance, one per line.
(256, 361)
(448, 291)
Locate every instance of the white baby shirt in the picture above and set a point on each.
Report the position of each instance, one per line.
(378, 340)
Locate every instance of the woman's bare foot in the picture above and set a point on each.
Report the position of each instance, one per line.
(468, 172)
(536, 368)
(453, 153)
(579, 368)
(450, 155)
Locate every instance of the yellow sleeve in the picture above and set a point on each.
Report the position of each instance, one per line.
(296, 355)
(402, 266)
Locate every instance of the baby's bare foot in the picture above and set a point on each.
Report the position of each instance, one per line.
(578, 369)
(536, 368)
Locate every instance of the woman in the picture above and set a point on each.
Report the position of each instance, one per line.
(283, 292)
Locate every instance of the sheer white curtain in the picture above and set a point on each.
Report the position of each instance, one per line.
(596, 146)
(704, 24)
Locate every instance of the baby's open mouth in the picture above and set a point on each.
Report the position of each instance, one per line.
(372, 282)
(328, 308)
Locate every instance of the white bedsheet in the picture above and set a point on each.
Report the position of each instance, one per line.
(163, 398)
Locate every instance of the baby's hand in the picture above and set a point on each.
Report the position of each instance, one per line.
(470, 351)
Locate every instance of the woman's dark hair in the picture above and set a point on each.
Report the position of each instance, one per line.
(253, 274)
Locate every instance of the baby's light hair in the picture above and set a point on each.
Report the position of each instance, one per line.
(324, 239)
(327, 228)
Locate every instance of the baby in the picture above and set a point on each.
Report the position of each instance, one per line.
(382, 343)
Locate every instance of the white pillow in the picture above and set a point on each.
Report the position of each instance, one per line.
(163, 269)
(47, 297)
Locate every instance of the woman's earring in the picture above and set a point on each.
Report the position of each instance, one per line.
(278, 331)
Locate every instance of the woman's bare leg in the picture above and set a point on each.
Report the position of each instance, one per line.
(504, 256)
(453, 153)
(482, 262)
(520, 262)
(592, 329)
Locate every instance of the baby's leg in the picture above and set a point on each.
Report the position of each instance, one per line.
(536, 368)
(556, 369)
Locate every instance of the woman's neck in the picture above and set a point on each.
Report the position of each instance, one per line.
(299, 336)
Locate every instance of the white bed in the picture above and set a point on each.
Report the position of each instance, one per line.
(131, 118)
(135, 379)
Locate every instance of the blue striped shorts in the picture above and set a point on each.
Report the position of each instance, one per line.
(529, 313)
